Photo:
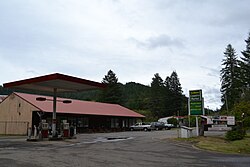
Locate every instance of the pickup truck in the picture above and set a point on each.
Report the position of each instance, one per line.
(141, 126)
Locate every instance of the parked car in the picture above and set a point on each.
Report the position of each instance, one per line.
(165, 121)
(141, 126)
(157, 125)
(168, 126)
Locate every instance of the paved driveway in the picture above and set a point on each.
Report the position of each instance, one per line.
(123, 149)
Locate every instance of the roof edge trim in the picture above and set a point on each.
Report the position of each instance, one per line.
(53, 77)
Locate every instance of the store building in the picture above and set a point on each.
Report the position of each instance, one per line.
(20, 111)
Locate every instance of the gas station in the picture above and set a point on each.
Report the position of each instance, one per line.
(54, 84)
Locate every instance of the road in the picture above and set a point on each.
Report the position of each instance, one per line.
(121, 149)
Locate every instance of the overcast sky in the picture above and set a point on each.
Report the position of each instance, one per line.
(133, 38)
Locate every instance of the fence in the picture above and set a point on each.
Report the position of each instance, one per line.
(13, 128)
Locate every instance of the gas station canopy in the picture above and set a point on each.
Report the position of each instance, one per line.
(47, 83)
(54, 83)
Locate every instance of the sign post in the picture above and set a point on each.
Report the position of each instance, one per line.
(196, 106)
(195, 102)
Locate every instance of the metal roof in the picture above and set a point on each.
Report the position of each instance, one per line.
(2, 97)
(47, 83)
(79, 107)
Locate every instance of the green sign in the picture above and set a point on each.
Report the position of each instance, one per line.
(195, 102)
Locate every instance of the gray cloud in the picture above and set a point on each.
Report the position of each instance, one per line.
(211, 95)
(213, 72)
(211, 90)
(234, 14)
(87, 38)
(159, 41)
(32, 72)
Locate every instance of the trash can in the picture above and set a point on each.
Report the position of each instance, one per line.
(186, 132)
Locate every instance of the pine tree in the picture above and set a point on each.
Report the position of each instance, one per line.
(230, 78)
(167, 83)
(156, 97)
(245, 64)
(175, 85)
(110, 78)
(177, 100)
(157, 81)
(112, 94)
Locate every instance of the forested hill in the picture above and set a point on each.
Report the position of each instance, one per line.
(135, 95)
(4, 91)
(131, 93)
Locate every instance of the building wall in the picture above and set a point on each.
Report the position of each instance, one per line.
(15, 115)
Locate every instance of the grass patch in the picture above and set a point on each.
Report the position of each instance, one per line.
(219, 144)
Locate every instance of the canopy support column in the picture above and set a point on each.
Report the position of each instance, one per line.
(54, 113)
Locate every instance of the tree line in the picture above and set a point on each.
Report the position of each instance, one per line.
(235, 82)
(161, 98)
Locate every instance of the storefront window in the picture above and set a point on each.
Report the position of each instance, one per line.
(85, 122)
(114, 123)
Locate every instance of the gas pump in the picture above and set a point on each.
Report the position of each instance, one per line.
(65, 129)
(45, 129)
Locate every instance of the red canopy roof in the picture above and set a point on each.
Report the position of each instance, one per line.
(79, 107)
(47, 83)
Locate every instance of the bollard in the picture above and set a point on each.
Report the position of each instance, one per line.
(75, 131)
(35, 131)
(29, 133)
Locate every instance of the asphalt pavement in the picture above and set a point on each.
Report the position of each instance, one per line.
(120, 149)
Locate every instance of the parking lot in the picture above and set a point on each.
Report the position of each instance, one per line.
(121, 149)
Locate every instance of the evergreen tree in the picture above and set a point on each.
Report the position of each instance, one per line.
(112, 93)
(175, 85)
(230, 78)
(245, 64)
(110, 78)
(168, 98)
(156, 98)
(176, 97)
(167, 83)
(157, 82)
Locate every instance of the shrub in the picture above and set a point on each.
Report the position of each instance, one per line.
(246, 122)
(173, 121)
(237, 133)
(192, 121)
(242, 107)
